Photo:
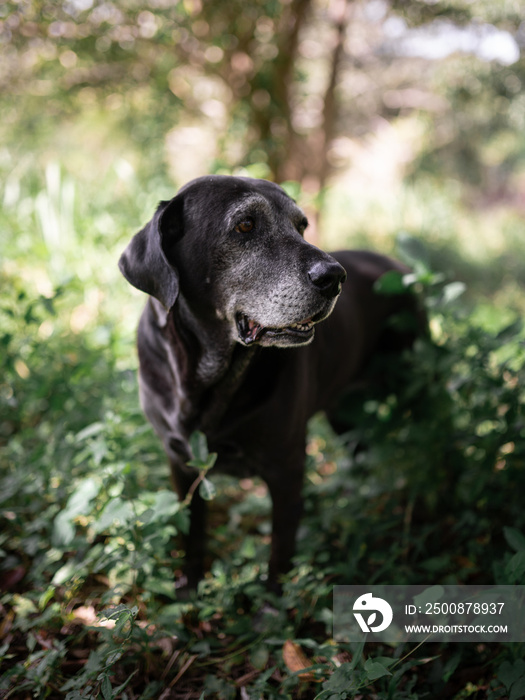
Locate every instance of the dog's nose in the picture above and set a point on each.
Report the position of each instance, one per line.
(327, 277)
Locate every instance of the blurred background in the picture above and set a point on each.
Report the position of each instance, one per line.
(399, 126)
(385, 116)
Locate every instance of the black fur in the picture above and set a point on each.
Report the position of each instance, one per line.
(229, 274)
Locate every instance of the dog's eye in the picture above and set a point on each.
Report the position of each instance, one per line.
(245, 226)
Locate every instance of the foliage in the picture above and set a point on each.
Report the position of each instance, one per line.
(89, 522)
(277, 88)
(106, 108)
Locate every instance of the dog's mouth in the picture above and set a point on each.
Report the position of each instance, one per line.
(251, 332)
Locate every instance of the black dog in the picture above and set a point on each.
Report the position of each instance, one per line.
(229, 343)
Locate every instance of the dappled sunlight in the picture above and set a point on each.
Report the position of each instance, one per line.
(394, 129)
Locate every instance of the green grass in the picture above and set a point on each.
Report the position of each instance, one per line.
(426, 489)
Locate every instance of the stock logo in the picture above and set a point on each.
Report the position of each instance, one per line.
(366, 603)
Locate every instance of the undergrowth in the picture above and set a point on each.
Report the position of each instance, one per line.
(426, 487)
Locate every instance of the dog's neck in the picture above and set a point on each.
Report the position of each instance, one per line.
(209, 343)
(213, 364)
(218, 397)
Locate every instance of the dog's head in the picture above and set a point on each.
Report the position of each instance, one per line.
(234, 249)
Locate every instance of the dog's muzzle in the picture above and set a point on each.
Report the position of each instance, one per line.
(326, 276)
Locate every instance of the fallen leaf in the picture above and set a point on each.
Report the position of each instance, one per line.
(296, 660)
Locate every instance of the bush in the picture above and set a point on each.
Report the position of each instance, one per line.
(425, 486)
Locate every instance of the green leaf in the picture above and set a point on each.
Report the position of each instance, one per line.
(165, 505)
(79, 501)
(514, 539)
(161, 586)
(46, 597)
(453, 291)
(63, 530)
(509, 673)
(90, 430)
(374, 669)
(259, 657)
(203, 464)
(117, 512)
(202, 459)
(344, 678)
(124, 624)
(390, 283)
(65, 573)
(386, 661)
(117, 692)
(112, 613)
(518, 690)
(357, 653)
(207, 490)
(515, 568)
(113, 657)
(106, 688)
(199, 446)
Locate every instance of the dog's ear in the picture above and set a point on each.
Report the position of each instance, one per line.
(144, 263)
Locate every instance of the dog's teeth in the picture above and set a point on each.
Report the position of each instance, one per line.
(301, 326)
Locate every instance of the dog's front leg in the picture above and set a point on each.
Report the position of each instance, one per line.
(286, 493)
(195, 539)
